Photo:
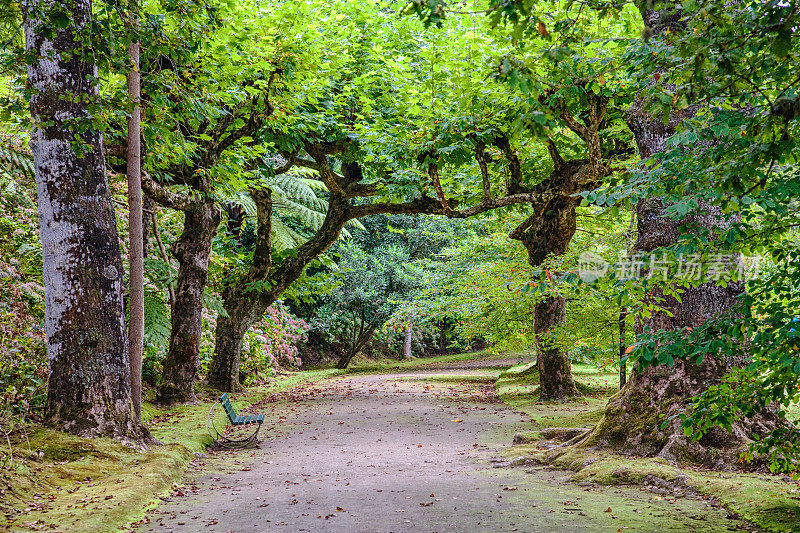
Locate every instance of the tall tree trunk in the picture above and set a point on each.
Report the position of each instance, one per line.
(555, 372)
(193, 251)
(243, 305)
(623, 368)
(550, 234)
(634, 417)
(224, 371)
(89, 391)
(135, 234)
(549, 230)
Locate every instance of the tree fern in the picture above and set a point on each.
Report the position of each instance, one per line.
(156, 320)
(15, 162)
(298, 199)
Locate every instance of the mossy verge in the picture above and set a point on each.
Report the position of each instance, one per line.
(518, 387)
(62, 482)
(770, 502)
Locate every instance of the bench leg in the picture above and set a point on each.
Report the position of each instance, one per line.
(240, 443)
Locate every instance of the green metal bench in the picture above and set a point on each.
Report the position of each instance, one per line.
(234, 421)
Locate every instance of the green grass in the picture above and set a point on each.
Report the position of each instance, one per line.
(768, 501)
(518, 387)
(68, 482)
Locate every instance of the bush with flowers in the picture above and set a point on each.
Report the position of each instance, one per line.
(271, 344)
(23, 359)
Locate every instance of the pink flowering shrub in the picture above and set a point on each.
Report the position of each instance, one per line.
(23, 358)
(272, 343)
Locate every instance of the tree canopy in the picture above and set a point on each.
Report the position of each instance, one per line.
(596, 181)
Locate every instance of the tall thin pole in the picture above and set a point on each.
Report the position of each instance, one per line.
(623, 371)
(136, 250)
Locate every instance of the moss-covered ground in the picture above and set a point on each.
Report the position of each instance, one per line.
(770, 502)
(61, 482)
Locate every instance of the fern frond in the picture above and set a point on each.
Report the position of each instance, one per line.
(355, 223)
(291, 186)
(156, 319)
(15, 160)
(284, 237)
(306, 215)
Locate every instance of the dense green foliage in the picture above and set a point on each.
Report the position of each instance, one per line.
(441, 116)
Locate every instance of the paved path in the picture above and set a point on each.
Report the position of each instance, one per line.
(403, 452)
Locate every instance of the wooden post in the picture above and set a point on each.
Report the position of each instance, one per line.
(135, 232)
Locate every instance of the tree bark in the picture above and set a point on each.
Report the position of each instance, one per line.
(193, 251)
(549, 230)
(246, 305)
(243, 304)
(407, 343)
(555, 372)
(550, 234)
(224, 371)
(623, 369)
(89, 391)
(135, 234)
(634, 417)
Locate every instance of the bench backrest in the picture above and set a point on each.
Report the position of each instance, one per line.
(229, 410)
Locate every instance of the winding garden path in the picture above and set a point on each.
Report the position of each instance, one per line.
(404, 452)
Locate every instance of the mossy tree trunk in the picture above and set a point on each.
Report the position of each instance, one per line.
(623, 367)
(549, 235)
(193, 251)
(634, 417)
(247, 300)
(89, 391)
(548, 232)
(243, 303)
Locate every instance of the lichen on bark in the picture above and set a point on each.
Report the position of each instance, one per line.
(642, 418)
(88, 381)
